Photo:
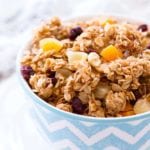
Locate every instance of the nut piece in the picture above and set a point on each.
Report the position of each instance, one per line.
(76, 57)
(141, 106)
(101, 91)
(94, 60)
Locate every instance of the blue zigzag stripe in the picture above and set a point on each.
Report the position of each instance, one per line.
(125, 127)
(110, 140)
(98, 127)
(66, 133)
(133, 129)
(89, 131)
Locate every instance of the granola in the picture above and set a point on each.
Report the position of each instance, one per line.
(98, 67)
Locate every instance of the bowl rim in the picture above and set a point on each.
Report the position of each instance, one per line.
(62, 113)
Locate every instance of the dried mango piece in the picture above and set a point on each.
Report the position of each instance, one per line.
(48, 44)
(108, 21)
(127, 113)
(111, 53)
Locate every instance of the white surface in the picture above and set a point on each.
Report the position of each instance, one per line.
(17, 18)
(17, 129)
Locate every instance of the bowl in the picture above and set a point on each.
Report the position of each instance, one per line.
(71, 131)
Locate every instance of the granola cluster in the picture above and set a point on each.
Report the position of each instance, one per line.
(98, 68)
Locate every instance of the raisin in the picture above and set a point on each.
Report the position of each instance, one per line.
(77, 106)
(51, 74)
(143, 28)
(74, 32)
(27, 71)
(137, 94)
(54, 81)
(91, 50)
(148, 46)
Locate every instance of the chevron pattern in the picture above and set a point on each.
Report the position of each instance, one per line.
(67, 134)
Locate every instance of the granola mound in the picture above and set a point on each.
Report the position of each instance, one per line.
(98, 67)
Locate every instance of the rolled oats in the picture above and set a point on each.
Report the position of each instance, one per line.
(78, 79)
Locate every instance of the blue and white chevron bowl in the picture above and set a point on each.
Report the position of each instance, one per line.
(72, 132)
(67, 131)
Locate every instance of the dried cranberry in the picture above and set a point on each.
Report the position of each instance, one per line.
(143, 27)
(91, 50)
(74, 32)
(137, 94)
(148, 46)
(27, 71)
(54, 81)
(51, 74)
(77, 106)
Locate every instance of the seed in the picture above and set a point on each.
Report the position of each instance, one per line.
(143, 28)
(74, 32)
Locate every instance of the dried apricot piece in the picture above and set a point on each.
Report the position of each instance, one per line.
(111, 53)
(47, 44)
